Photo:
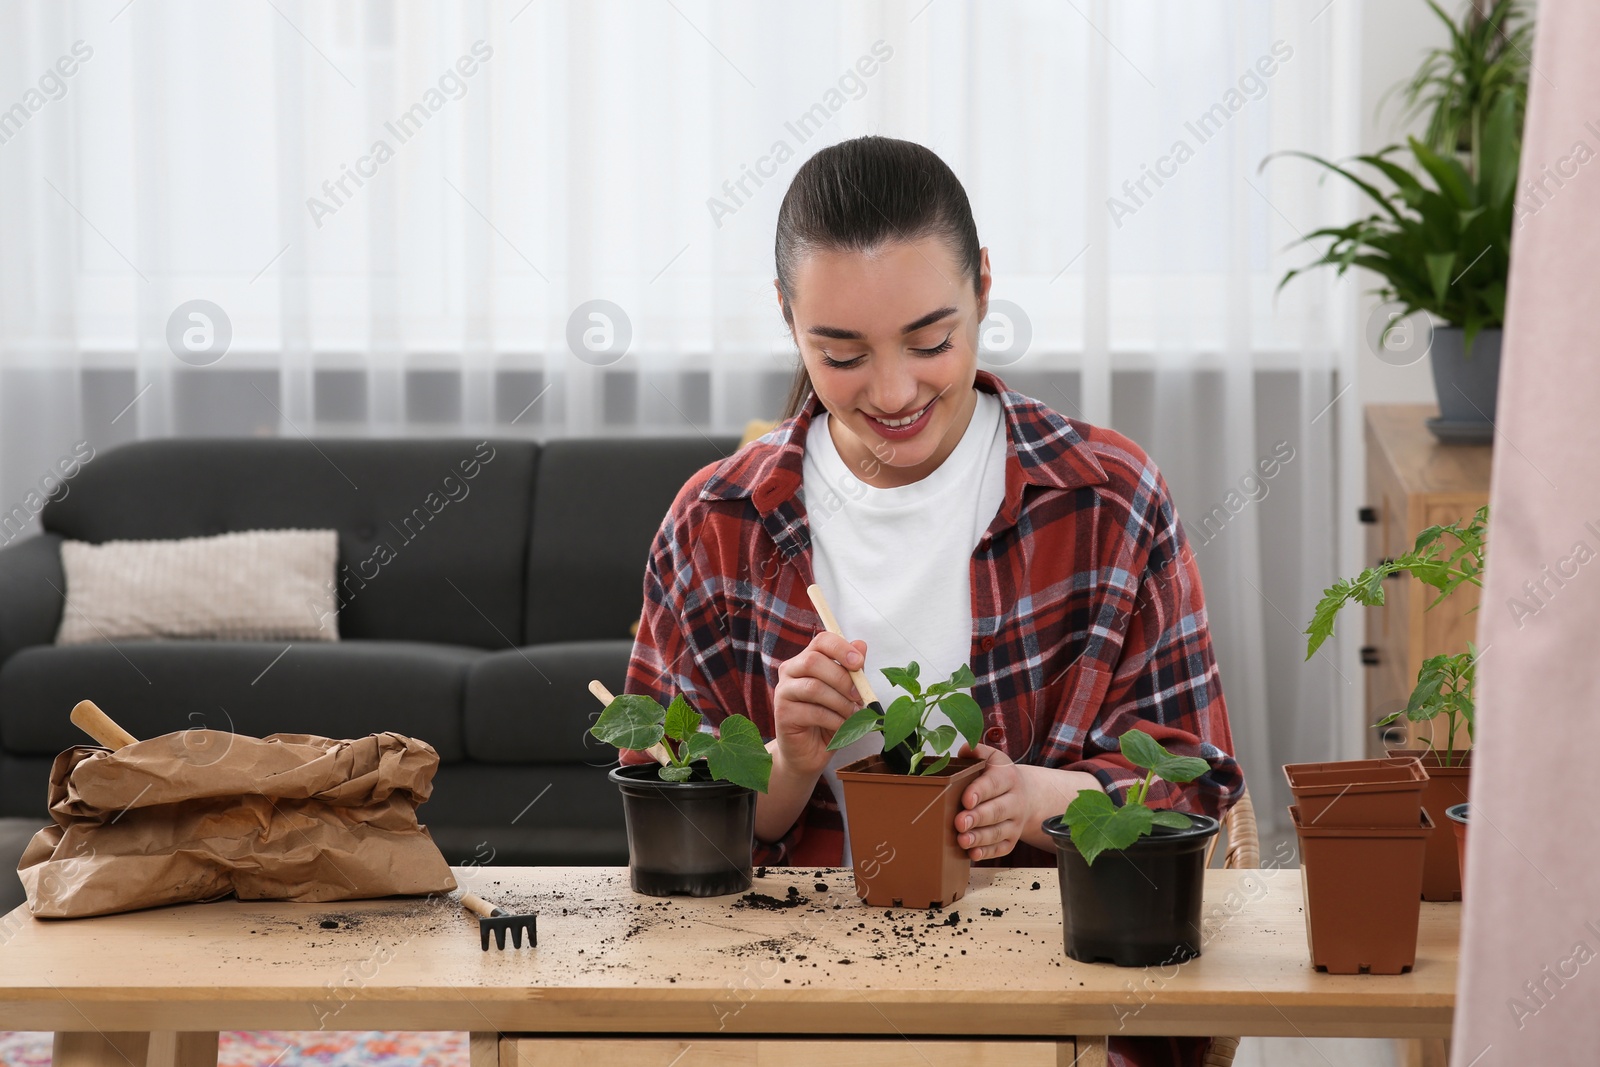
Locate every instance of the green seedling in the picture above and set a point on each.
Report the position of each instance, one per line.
(906, 718)
(1097, 824)
(734, 754)
(1445, 683)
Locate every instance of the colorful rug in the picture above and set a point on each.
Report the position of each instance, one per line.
(290, 1048)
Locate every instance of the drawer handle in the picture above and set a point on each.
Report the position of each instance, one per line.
(1369, 656)
(1394, 737)
(1368, 516)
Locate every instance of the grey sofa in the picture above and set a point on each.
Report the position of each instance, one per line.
(500, 596)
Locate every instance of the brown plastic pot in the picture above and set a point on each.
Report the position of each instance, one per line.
(903, 835)
(1363, 792)
(1447, 786)
(1363, 894)
(1457, 814)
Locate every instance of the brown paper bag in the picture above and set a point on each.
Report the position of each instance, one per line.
(200, 814)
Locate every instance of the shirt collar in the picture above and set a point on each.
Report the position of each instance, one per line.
(1042, 448)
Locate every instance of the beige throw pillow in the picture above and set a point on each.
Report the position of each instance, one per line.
(257, 585)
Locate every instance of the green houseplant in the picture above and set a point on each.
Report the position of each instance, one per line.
(1140, 904)
(902, 825)
(1441, 237)
(691, 815)
(1487, 54)
(1444, 559)
(907, 718)
(1445, 684)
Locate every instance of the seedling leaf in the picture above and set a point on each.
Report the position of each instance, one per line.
(676, 772)
(899, 721)
(1175, 820)
(965, 714)
(855, 727)
(1097, 824)
(699, 746)
(631, 721)
(904, 678)
(1141, 749)
(739, 755)
(941, 739)
(683, 722)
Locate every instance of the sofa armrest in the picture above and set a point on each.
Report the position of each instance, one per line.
(32, 585)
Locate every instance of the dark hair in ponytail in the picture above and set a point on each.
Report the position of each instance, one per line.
(855, 196)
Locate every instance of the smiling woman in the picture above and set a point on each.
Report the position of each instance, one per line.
(951, 521)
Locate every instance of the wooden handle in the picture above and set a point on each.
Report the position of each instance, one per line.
(100, 726)
(478, 906)
(655, 751)
(831, 624)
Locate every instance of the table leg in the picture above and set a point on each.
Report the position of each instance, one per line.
(182, 1048)
(484, 1050)
(92, 1048)
(1087, 1051)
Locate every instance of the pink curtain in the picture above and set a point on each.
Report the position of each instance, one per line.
(1530, 978)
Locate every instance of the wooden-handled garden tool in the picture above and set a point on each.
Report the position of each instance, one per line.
(897, 758)
(497, 921)
(657, 751)
(100, 726)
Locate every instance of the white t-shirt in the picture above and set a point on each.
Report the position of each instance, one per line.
(895, 564)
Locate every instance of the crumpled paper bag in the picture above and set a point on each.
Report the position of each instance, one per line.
(201, 814)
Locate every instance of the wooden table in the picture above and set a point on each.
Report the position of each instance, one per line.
(620, 978)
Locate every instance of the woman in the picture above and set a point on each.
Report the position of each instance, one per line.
(949, 521)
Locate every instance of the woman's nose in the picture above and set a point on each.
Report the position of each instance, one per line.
(894, 386)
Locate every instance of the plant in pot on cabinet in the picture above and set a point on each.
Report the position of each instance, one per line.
(1444, 558)
(691, 814)
(1441, 240)
(902, 825)
(1131, 876)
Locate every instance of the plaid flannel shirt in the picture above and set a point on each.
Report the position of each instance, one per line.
(1087, 613)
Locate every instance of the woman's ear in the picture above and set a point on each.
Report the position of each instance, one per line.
(788, 315)
(985, 279)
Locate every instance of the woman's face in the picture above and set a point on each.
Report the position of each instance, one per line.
(886, 335)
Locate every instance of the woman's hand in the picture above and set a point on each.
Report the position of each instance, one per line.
(813, 698)
(1009, 801)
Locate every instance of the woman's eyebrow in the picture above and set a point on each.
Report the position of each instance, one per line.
(838, 333)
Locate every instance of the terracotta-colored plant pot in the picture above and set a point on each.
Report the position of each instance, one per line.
(1363, 792)
(1363, 894)
(902, 833)
(1447, 786)
(1457, 814)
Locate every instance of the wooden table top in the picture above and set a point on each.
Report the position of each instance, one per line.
(610, 960)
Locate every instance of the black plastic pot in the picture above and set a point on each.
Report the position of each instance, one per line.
(686, 839)
(1137, 907)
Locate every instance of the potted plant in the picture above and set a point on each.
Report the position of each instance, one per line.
(902, 826)
(691, 816)
(1445, 684)
(1442, 239)
(1140, 904)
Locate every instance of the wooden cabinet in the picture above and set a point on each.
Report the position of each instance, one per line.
(1414, 482)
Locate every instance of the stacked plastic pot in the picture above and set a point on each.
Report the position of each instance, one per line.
(1363, 834)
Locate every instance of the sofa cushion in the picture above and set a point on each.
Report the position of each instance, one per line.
(343, 689)
(433, 534)
(254, 585)
(533, 705)
(597, 507)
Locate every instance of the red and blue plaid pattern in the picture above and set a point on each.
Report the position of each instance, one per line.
(1087, 613)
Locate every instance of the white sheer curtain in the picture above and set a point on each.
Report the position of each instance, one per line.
(397, 211)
